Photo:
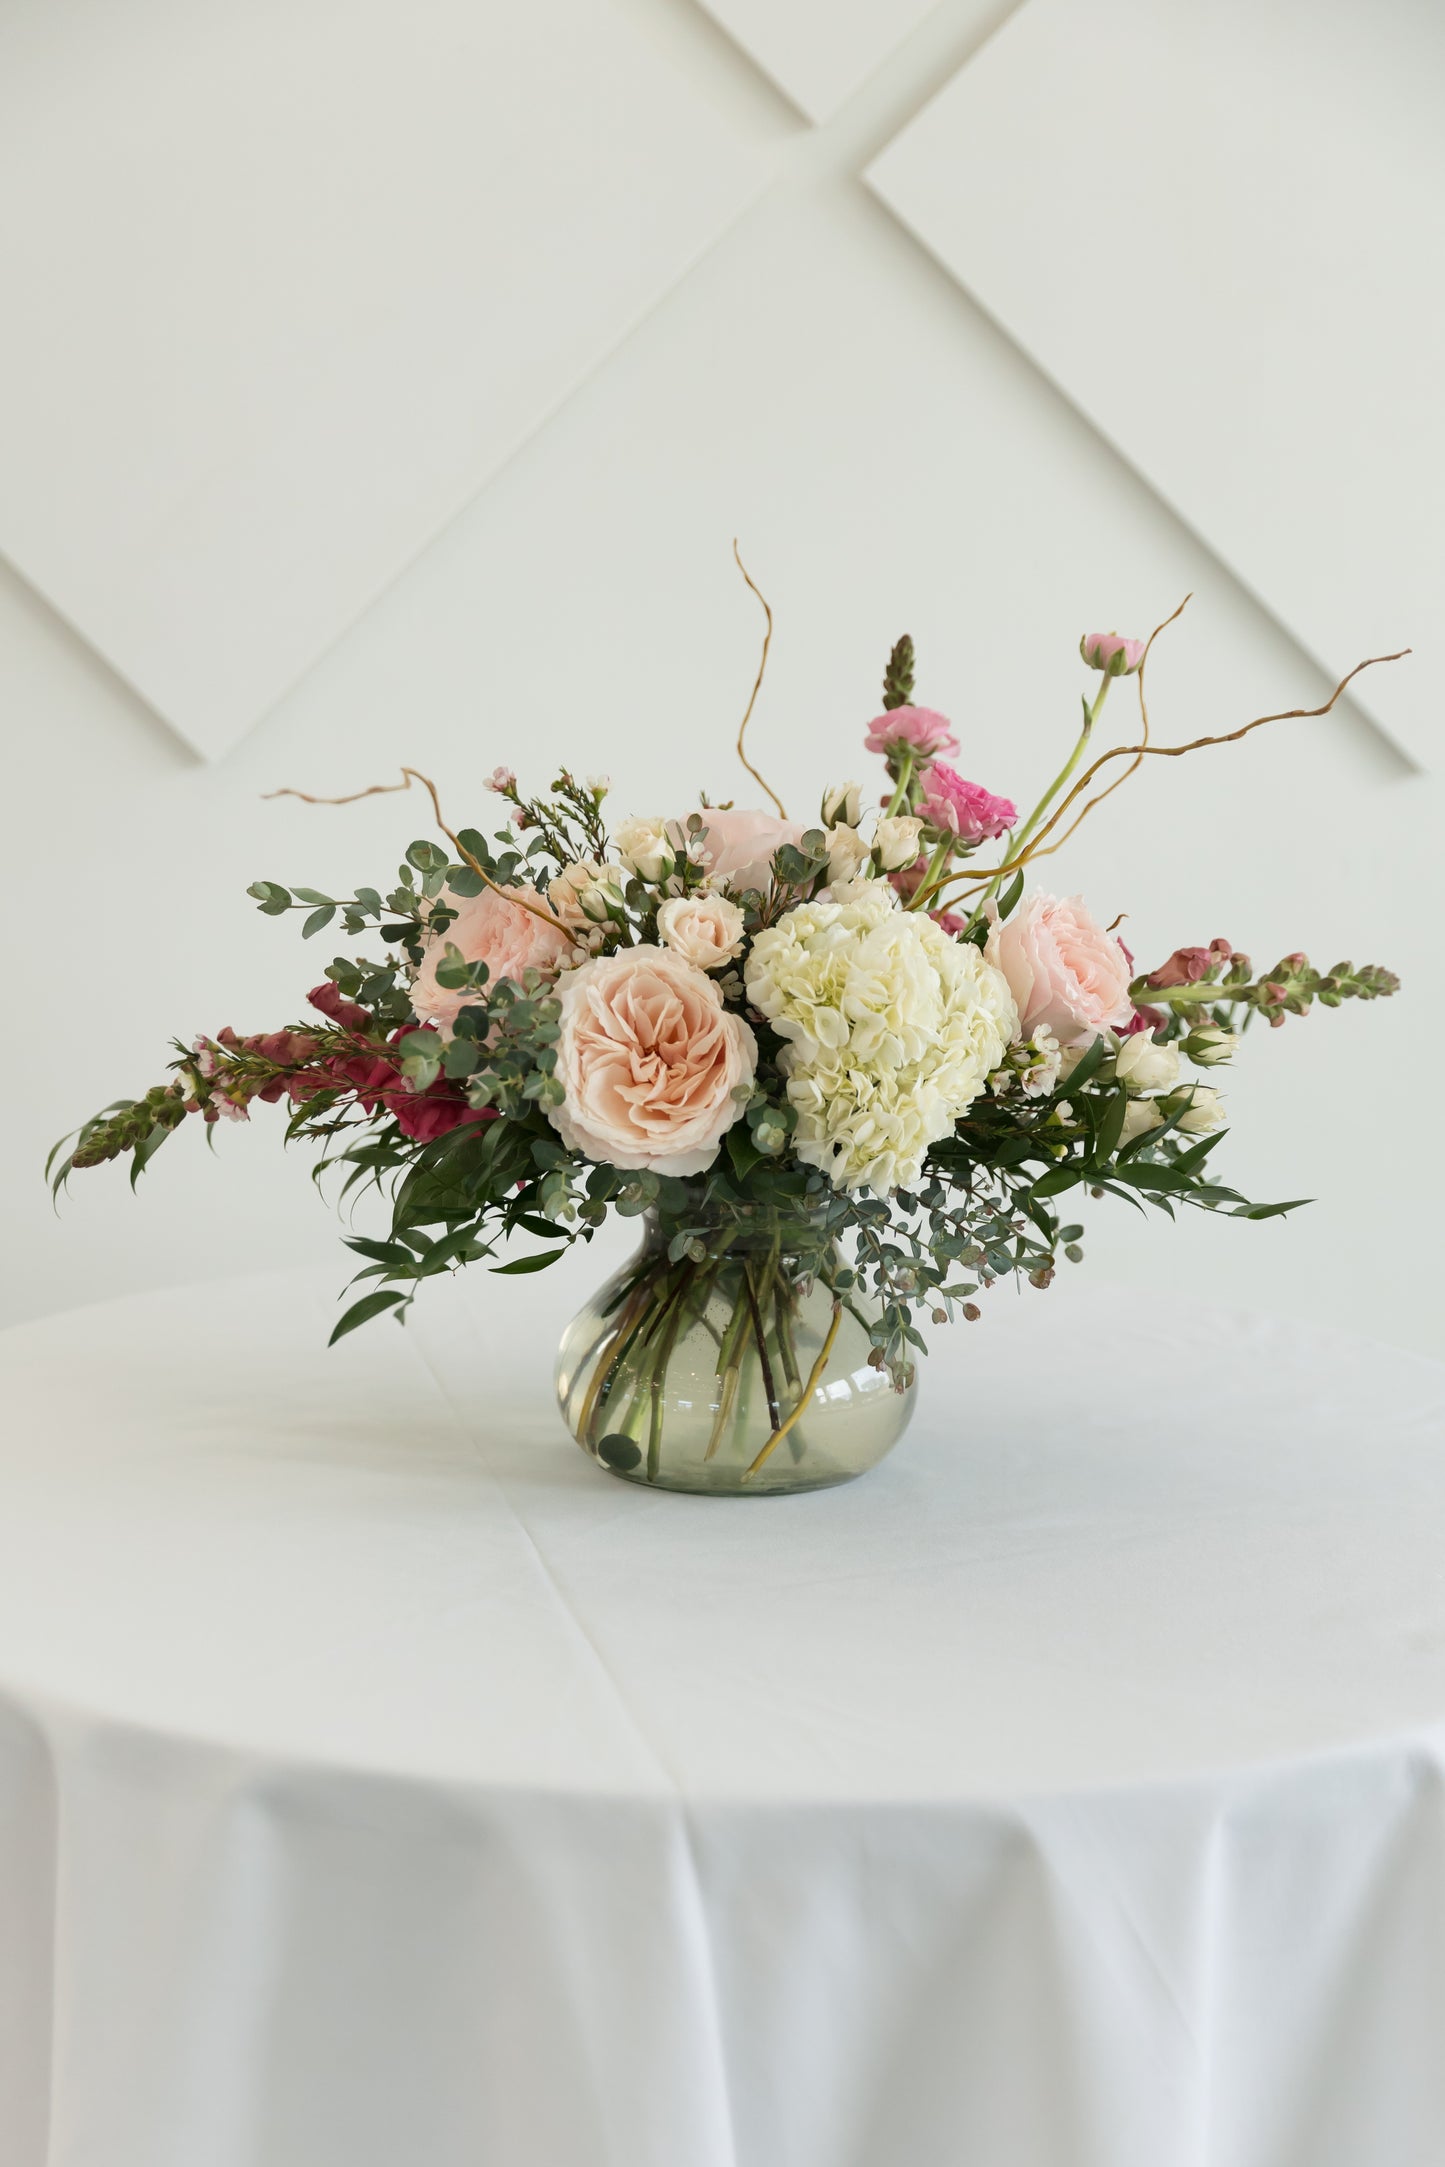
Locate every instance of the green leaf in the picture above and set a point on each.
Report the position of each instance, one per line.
(461, 1057)
(1093, 1060)
(145, 1151)
(390, 1253)
(1008, 902)
(741, 1149)
(536, 1263)
(462, 880)
(1110, 1129)
(531, 1224)
(272, 898)
(311, 895)
(1144, 1176)
(1271, 1211)
(1054, 1184)
(1191, 1160)
(317, 920)
(362, 1312)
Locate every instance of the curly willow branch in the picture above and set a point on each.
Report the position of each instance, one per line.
(757, 684)
(1144, 745)
(410, 775)
(1136, 753)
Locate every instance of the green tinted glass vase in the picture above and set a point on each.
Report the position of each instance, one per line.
(729, 1370)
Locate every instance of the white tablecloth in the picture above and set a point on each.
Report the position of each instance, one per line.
(383, 1786)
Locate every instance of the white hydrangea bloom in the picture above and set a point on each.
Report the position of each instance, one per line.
(892, 1028)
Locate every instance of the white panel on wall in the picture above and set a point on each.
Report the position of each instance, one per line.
(819, 51)
(284, 284)
(1217, 228)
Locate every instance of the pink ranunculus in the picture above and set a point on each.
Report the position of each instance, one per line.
(1064, 971)
(740, 844)
(1106, 651)
(964, 809)
(649, 1059)
(494, 929)
(918, 731)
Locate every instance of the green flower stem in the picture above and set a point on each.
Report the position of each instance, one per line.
(729, 1366)
(933, 878)
(1200, 994)
(900, 794)
(665, 1345)
(783, 1318)
(1021, 835)
(640, 1327)
(783, 1333)
(774, 1414)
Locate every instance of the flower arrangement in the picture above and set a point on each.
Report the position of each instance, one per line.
(850, 1069)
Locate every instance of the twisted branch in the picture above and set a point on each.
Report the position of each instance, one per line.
(1136, 753)
(410, 775)
(757, 685)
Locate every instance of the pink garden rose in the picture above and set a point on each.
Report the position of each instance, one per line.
(964, 809)
(918, 731)
(740, 844)
(1106, 651)
(1066, 974)
(649, 1060)
(489, 928)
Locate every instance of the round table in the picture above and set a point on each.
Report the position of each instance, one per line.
(381, 1785)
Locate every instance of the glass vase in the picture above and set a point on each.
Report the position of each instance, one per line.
(728, 1369)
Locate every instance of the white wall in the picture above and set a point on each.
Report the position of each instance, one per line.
(803, 374)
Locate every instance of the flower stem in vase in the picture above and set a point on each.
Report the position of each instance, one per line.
(783, 1305)
(611, 1349)
(667, 1338)
(815, 1376)
(729, 1365)
(774, 1412)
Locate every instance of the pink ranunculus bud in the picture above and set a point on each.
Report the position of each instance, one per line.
(501, 780)
(953, 806)
(1115, 656)
(911, 732)
(1185, 968)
